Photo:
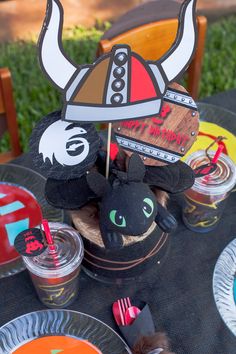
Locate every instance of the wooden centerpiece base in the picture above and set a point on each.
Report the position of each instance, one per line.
(138, 254)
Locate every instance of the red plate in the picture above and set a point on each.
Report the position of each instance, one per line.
(21, 201)
(19, 210)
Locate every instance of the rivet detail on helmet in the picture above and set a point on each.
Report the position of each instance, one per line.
(117, 98)
(118, 85)
(120, 59)
(119, 72)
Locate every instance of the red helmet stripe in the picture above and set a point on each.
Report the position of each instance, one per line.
(142, 87)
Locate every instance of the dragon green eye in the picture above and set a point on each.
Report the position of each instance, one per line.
(148, 207)
(117, 219)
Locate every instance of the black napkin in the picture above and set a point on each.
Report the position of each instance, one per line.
(142, 326)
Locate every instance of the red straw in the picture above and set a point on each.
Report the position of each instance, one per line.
(214, 160)
(48, 235)
(218, 153)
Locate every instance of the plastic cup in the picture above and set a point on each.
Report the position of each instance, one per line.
(206, 200)
(55, 274)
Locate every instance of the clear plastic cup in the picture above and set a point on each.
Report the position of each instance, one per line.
(206, 200)
(55, 274)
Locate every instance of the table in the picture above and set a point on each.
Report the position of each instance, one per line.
(180, 294)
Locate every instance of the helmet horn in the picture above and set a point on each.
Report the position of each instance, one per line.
(178, 58)
(53, 60)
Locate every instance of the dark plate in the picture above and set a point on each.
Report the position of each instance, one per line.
(217, 115)
(73, 324)
(35, 184)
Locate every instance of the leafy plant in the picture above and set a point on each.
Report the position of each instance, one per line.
(219, 67)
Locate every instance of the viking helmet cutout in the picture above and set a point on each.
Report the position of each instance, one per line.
(119, 85)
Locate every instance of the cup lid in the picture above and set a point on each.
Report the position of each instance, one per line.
(68, 254)
(220, 181)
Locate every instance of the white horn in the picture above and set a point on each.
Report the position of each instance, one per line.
(178, 58)
(54, 62)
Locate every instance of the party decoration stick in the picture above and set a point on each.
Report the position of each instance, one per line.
(108, 149)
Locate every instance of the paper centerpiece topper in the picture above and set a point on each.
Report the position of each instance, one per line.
(64, 150)
(120, 85)
(30, 242)
(165, 138)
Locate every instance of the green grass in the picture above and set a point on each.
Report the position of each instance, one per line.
(219, 68)
(35, 97)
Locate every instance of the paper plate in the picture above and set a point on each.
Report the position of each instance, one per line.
(215, 121)
(224, 285)
(22, 205)
(60, 331)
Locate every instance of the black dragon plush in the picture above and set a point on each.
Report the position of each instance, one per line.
(128, 206)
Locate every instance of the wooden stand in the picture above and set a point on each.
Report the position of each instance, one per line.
(113, 265)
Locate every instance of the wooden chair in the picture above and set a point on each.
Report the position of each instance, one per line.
(8, 120)
(152, 40)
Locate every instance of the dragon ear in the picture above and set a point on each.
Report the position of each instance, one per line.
(98, 183)
(136, 169)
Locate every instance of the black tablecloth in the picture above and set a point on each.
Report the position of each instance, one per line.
(180, 294)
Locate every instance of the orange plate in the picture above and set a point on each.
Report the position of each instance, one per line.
(58, 344)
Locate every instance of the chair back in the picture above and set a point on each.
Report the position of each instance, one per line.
(153, 40)
(8, 120)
